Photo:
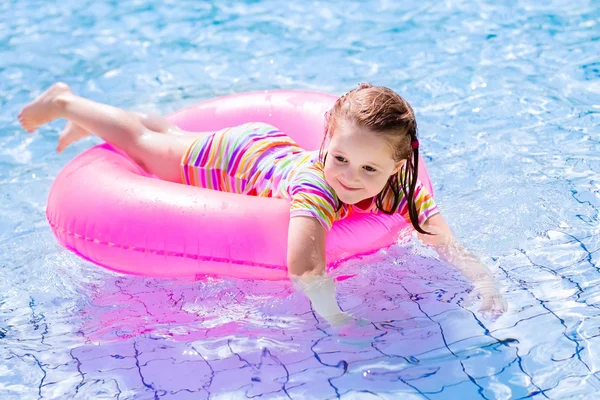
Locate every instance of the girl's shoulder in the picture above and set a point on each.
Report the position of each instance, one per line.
(309, 175)
(311, 195)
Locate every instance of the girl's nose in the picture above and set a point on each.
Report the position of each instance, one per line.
(350, 176)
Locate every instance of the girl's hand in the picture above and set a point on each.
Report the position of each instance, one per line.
(340, 319)
(320, 290)
(491, 298)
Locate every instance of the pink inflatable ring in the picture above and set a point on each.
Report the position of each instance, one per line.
(103, 207)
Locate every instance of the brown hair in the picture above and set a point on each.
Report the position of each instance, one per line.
(387, 114)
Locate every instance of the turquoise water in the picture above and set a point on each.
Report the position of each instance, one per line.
(508, 103)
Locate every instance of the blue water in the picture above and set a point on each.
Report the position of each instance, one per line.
(508, 101)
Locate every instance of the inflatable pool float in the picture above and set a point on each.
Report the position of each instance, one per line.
(106, 209)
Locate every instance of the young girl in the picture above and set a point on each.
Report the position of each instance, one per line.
(368, 163)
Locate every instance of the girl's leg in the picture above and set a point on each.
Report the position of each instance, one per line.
(73, 132)
(157, 152)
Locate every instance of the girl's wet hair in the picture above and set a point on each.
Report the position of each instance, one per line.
(388, 115)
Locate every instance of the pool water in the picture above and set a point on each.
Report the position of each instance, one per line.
(508, 103)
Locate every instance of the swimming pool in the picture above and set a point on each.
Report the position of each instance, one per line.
(507, 99)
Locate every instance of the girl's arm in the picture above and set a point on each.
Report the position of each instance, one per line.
(306, 247)
(306, 265)
(453, 252)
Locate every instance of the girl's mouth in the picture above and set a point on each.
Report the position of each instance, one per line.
(347, 188)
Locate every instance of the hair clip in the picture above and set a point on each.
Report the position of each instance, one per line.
(414, 144)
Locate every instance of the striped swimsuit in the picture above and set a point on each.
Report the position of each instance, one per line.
(257, 159)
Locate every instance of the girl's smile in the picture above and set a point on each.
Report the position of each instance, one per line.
(347, 187)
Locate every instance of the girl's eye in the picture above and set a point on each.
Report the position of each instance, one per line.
(369, 168)
(340, 158)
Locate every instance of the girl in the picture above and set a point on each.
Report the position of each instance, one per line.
(368, 163)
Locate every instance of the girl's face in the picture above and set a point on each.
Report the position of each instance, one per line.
(359, 163)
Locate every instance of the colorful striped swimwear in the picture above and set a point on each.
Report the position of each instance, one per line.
(258, 159)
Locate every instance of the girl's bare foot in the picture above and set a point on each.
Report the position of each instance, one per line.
(70, 134)
(43, 109)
